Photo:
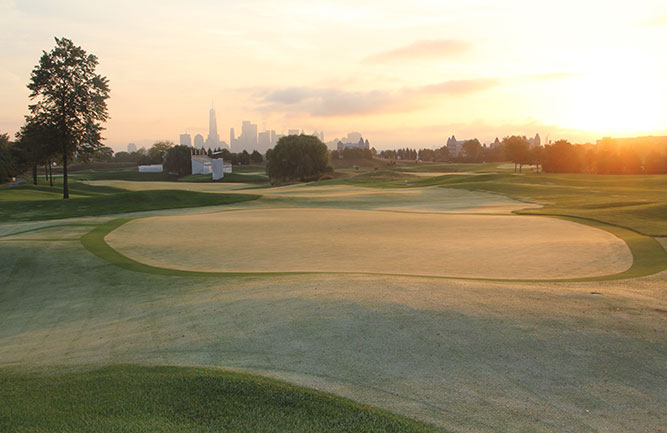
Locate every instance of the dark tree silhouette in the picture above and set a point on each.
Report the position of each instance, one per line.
(517, 149)
(297, 157)
(178, 161)
(71, 99)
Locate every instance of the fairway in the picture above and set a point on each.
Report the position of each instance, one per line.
(343, 240)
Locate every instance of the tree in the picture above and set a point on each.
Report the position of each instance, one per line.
(244, 157)
(256, 157)
(158, 151)
(7, 160)
(297, 157)
(177, 161)
(517, 150)
(71, 99)
(36, 145)
(472, 149)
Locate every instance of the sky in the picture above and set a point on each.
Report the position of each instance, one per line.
(403, 73)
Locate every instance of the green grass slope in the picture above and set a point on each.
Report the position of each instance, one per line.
(112, 203)
(179, 399)
(638, 203)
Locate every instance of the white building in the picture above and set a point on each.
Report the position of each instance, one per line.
(155, 168)
(201, 164)
(217, 169)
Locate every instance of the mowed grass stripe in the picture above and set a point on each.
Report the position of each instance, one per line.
(168, 399)
(114, 203)
(649, 257)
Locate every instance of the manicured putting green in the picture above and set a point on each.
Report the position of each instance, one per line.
(338, 240)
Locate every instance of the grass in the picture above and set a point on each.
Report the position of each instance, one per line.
(634, 202)
(179, 399)
(469, 355)
(483, 167)
(41, 191)
(108, 201)
(229, 177)
(123, 174)
(649, 258)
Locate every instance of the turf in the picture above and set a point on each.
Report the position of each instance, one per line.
(229, 177)
(352, 241)
(123, 174)
(179, 399)
(42, 191)
(114, 203)
(468, 355)
(633, 202)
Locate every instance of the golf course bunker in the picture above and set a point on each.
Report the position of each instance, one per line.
(337, 240)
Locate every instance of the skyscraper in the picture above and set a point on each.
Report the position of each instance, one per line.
(232, 139)
(213, 139)
(263, 141)
(199, 141)
(248, 138)
(186, 140)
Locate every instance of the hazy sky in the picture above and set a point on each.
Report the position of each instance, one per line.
(402, 73)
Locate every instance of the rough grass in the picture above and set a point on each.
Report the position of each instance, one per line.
(468, 355)
(179, 399)
(112, 203)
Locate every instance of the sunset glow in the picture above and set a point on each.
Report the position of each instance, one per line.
(401, 73)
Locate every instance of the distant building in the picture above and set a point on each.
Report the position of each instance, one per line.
(213, 139)
(535, 142)
(455, 147)
(293, 132)
(131, 147)
(496, 143)
(248, 138)
(232, 139)
(201, 164)
(361, 144)
(186, 140)
(199, 141)
(263, 141)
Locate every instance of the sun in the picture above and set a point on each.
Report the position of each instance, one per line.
(623, 98)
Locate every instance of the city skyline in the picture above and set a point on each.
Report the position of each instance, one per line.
(405, 75)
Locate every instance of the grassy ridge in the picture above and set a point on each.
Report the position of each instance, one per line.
(119, 202)
(634, 202)
(179, 399)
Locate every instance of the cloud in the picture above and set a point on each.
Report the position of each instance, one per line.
(324, 102)
(461, 87)
(424, 49)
